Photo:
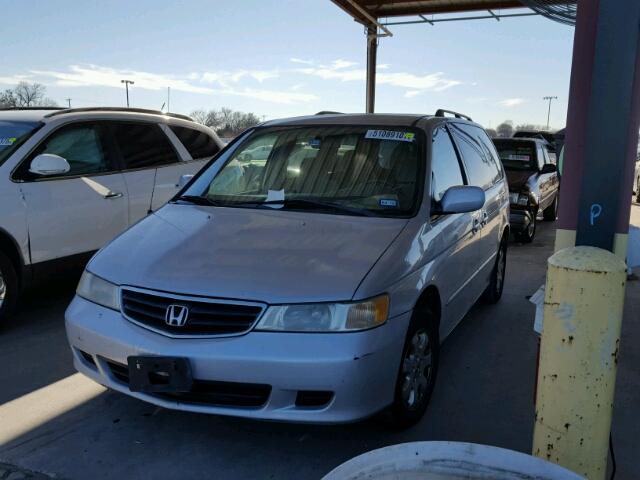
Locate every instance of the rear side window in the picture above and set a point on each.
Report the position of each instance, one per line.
(481, 168)
(541, 159)
(445, 168)
(143, 145)
(197, 143)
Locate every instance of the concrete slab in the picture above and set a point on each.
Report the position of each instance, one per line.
(60, 423)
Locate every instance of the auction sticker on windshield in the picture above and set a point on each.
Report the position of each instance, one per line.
(5, 142)
(390, 135)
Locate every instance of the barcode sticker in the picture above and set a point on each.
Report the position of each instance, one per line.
(390, 135)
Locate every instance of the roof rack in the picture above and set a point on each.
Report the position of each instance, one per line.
(441, 113)
(118, 109)
(329, 112)
(4, 109)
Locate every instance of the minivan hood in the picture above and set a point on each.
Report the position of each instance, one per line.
(518, 179)
(274, 256)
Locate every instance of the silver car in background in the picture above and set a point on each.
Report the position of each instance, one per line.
(311, 283)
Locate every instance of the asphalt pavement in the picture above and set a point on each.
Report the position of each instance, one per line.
(56, 422)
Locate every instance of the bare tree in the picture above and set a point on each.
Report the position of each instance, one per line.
(505, 129)
(26, 95)
(491, 132)
(226, 122)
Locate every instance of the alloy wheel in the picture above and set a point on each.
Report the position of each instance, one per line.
(501, 267)
(417, 370)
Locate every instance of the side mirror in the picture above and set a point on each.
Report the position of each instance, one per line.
(548, 168)
(184, 179)
(462, 199)
(47, 164)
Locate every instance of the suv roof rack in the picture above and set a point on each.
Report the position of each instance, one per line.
(61, 111)
(4, 109)
(441, 113)
(329, 112)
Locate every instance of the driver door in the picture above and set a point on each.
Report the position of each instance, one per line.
(78, 211)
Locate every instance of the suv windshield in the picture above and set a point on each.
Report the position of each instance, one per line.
(344, 170)
(14, 134)
(517, 155)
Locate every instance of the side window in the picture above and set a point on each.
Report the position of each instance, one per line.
(481, 171)
(197, 143)
(82, 145)
(143, 145)
(491, 152)
(488, 152)
(445, 167)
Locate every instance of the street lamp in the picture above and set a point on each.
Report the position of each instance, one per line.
(549, 111)
(126, 86)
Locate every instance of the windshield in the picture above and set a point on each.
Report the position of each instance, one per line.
(344, 170)
(14, 134)
(517, 155)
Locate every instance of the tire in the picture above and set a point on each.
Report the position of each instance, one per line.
(8, 287)
(419, 361)
(551, 212)
(638, 190)
(529, 233)
(493, 293)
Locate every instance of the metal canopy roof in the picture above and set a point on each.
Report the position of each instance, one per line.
(361, 9)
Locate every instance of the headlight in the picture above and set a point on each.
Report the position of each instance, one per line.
(326, 317)
(99, 291)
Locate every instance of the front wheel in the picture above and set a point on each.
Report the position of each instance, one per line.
(528, 234)
(418, 370)
(8, 287)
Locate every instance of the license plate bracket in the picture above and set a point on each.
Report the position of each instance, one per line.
(153, 374)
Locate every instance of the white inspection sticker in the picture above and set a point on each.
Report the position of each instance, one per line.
(390, 135)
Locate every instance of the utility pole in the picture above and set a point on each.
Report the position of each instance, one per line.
(549, 111)
(168, 99)
(126, 86)
(68, 101)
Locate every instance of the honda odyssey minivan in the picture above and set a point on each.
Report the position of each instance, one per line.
(313, 283)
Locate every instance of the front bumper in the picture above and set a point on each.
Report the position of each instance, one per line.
(519, 220)
(360, 368)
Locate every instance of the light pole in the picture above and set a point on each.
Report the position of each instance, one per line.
(126, 86)
(549, 111)
(68, 101)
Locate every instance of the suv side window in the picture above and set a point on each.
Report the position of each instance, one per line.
(197, 143)
(445, 166)
(143, 145)
(540, 155)
(80, 144)
(481, 169)
(489, 153)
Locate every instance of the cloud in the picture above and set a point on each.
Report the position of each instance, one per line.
(14, 79)
(511, 102)
(346, 71)
(224, 83)
(97, 76)
(303, 62)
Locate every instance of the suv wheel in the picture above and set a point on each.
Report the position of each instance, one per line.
(493, 293)
(551, 212)
(418, 370)
(8, 287)
(527, 235)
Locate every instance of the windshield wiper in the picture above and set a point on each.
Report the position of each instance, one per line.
(198, 200)
(302, 203)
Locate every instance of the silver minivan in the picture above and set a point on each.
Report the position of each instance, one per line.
(307, 274)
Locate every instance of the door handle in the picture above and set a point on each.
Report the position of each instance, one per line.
(485, 218)
(476, 225)
(111, 194)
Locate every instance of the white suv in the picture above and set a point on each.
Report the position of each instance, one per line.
(72, 179)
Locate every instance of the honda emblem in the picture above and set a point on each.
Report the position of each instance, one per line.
(176, 315)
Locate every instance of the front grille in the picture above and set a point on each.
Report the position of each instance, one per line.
(205, 317)
(208, 392)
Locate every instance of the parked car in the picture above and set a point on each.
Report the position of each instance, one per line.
(72, 179)
(551, 140)
(533, 183)
(318, 293)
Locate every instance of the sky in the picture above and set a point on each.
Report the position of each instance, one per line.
(284, 58)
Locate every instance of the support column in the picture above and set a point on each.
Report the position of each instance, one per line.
(602, 127)
(372, 52)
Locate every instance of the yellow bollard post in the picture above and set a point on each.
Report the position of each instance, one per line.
(578, 357)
